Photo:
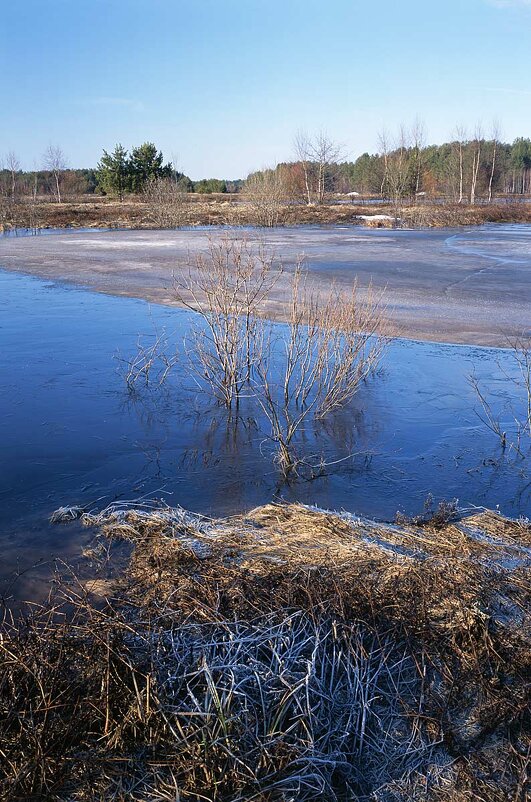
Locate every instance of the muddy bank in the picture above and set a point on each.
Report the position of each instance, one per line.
(284, 653)
(471, 286)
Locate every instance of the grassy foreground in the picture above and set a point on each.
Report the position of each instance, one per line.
(287, 654)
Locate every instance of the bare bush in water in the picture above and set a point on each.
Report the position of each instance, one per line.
(518, 419)
(331, 345)
(225, 288)
(150, 364)
(309, 368)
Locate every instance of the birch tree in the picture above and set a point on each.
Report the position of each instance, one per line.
(476, 146)
(13, 166)
(303, 153)
(54, 161)
(316, 155)
(418, 141)
(495, 142)
(461, 137)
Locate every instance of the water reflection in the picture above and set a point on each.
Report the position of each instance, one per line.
(70, 433)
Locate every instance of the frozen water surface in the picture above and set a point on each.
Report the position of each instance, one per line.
(69, 434)
(469, 285)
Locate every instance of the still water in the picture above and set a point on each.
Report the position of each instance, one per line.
(70, 434)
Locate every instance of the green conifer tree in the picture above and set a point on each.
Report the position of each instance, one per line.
(146, 163)
(113, 172)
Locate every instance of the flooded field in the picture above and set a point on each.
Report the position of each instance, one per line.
(71, 434)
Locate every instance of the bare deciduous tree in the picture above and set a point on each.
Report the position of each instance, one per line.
(316, 155)
(326, 153)
(303, 152)
(398, 173)
(476, 162)
(460, 142)
(418, 141)
(54, 160)
(13, 166)
(495, 142)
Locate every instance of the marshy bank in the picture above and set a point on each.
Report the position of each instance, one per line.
(285, 653)
(222, 209)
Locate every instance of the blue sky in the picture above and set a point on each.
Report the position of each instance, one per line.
(221, 86)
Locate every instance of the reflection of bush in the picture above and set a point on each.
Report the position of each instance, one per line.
(308, 369)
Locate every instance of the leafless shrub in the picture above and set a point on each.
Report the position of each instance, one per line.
(433, 517)
(487, 416)
(150, 364)
(310, 368)
(522, 355)
(520, 350)
(167, 202)
(226, 288)
(332, 344)
(264, 194)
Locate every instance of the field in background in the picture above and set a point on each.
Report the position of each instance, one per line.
(224, 209)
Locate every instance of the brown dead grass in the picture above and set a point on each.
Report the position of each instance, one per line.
(288, 653)
(133, 212)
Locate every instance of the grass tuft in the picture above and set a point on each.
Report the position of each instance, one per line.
(287, 654)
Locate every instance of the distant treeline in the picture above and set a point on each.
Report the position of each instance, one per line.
(118, 173)
(446, 169)
(463, 170)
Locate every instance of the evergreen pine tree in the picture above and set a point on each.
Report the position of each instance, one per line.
(113, 172)
(146, 163)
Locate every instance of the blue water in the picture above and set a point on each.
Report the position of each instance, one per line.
(70, 434)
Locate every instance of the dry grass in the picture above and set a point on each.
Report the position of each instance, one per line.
(457, 215)
(134, 212)
(284, 654)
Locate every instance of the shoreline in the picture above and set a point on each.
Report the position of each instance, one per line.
(435, 294)
(135, 214)
(224, 638)
(400, 338)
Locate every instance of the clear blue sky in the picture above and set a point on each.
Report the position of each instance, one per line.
(221, 86)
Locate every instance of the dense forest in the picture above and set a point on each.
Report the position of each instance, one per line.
(464, 170)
